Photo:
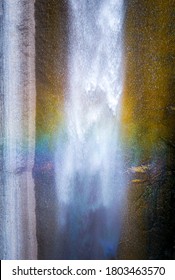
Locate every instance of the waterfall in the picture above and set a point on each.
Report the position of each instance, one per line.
(18, 95)
(90, 184)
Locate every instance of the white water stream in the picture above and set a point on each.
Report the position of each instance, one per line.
(90, 184)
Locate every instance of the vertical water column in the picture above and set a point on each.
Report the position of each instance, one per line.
(1, 134)
(89, 164)
(19, 129)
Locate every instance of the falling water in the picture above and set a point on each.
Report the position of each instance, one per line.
(18, 103)
(90, 185)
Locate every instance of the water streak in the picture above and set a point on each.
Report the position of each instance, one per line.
(89, 158)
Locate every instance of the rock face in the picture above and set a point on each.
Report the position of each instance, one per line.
(51, 64)
(17, 105)
(148, 121)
